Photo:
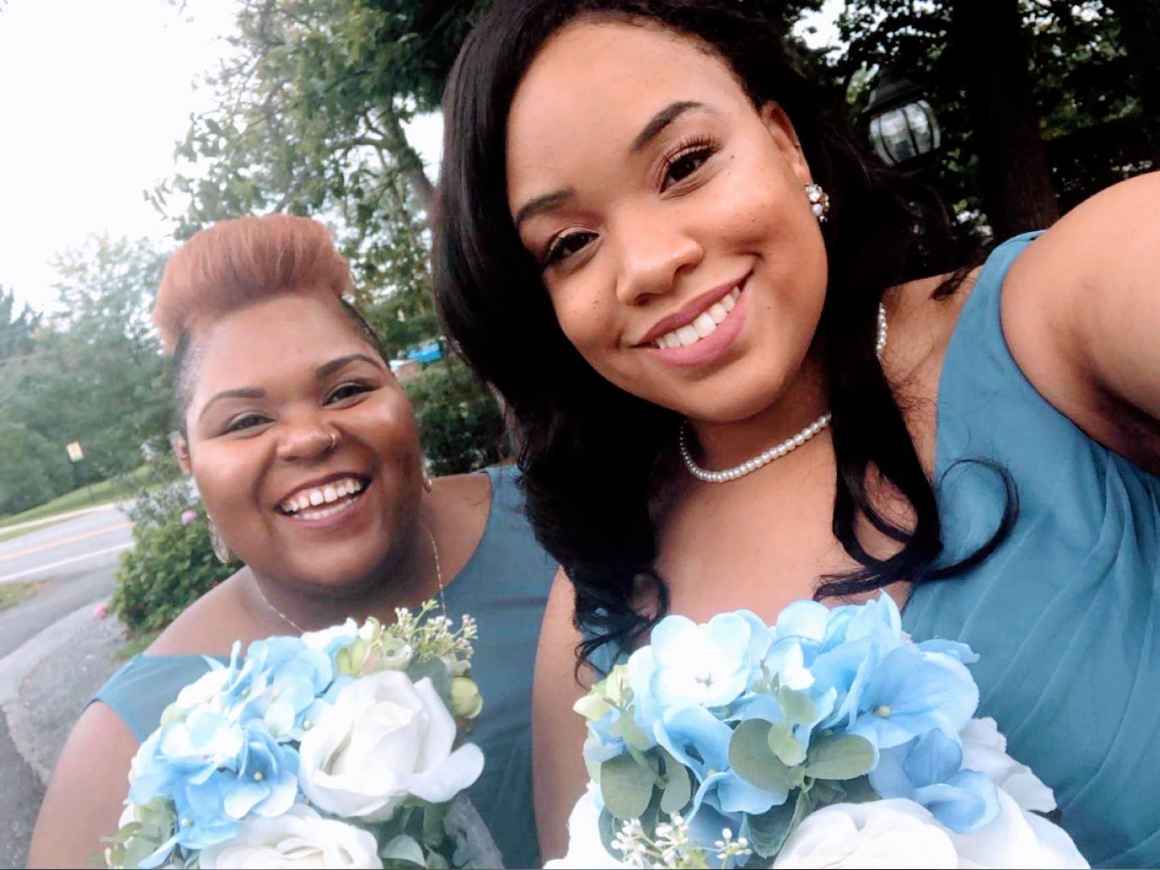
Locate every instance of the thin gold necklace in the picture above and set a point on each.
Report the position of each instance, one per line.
(438, 578)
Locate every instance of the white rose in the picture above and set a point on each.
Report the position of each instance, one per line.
(900, 833)
(322, 639)
(885, 833)
(585, 848)
(985, 750)
(298, 838)
(382, 740)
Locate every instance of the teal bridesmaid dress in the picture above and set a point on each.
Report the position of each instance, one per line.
(1065, 614)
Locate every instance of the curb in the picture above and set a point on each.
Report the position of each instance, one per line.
(15, 666)
(55, 518)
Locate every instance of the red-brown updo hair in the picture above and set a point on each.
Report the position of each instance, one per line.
(235, 263)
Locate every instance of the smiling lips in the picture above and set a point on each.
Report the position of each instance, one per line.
(705, 324)
(319, 502)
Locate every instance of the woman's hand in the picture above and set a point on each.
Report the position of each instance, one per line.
(1081, 313)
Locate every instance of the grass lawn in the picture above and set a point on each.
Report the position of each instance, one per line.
(12, 594)
(87, 496)
(136, 644)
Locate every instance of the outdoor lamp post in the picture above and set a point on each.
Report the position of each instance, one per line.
(903, 126)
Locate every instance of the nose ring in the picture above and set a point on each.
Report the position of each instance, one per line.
(333, 440)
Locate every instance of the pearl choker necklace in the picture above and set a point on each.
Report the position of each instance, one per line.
(778, 450)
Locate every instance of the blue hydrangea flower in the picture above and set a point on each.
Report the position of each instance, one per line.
(928, 770)
(278, 682)
(700, 741)
(691, 665)
(912, 692)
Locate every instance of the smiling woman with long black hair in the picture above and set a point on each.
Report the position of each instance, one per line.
(747, 364)
(305, 451)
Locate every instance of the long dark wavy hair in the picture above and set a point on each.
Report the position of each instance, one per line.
(592, 455)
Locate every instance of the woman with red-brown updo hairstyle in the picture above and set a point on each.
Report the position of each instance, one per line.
(305, 452)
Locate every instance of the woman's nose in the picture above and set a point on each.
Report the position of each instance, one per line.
(307, 441)
(652, 257)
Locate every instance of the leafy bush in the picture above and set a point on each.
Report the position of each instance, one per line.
(460, 423)
(171, 563)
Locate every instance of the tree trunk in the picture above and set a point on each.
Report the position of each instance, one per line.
(409, 163)
(1015, 174)
(1139, 22)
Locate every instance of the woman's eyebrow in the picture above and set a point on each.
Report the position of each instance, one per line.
(239, 393)
(542, 203)
(329, 368)
(661, 120)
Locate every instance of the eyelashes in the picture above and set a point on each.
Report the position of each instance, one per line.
(680, 163)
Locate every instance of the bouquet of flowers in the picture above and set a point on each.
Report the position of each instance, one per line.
(829, 739)
(333, 749)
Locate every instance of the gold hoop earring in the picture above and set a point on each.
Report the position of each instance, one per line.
(219, 546)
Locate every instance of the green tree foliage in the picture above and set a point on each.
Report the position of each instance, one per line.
(460, 425)
(92, 374)
(1049, 89)
(17, 330)
(33, 470)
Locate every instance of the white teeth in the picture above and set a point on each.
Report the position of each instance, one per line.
(703, 326)
(328, 494)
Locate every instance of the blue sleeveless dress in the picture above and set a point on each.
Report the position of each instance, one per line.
(1066, 613)
(504, 585)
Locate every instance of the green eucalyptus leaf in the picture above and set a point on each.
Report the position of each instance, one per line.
(402, 851)
(842, 756)
(785, 746)
(631, 733)
(626, 786)
(767, 832)
(859, 791)
(797, 706)
(678, 787)
(436, 670)
(754, 761)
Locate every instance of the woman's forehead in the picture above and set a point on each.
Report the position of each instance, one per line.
(596, 82)
(282, 335)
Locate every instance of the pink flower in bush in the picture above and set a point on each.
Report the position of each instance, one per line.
(101, 610)
(188, 517)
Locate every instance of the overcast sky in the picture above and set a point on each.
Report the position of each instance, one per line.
(94, 95)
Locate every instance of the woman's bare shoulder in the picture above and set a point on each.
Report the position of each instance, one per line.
(210, 625)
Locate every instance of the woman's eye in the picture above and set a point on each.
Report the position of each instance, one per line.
(346, 391)
(246, 421)
(685, 164)
(563, 247)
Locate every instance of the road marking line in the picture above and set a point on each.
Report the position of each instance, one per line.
(28, 551)
(42, 568)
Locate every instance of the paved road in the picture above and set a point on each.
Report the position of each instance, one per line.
(76, 562)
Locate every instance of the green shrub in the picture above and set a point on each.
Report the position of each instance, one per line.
(171, 563)
(460, 424)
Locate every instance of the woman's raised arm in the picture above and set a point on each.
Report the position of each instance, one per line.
(1081, 312)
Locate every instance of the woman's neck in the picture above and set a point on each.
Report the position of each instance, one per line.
(725, 445)
(407, 578)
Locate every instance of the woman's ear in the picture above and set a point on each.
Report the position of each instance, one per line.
(180, 448)
(785, 138)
